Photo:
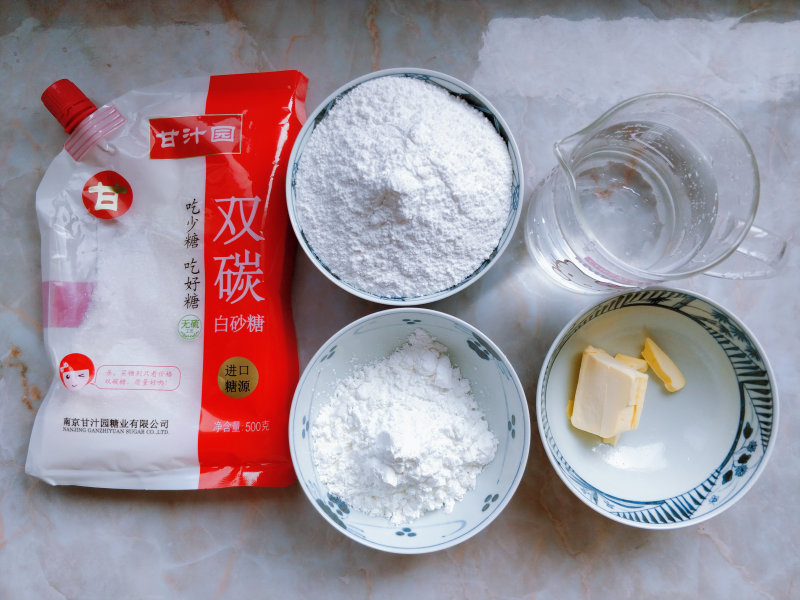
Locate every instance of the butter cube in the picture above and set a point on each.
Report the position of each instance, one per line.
(663, 366)
(633, 362)
(609, 397)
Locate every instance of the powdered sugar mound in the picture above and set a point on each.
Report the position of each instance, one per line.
(403, 189)
(403, 436)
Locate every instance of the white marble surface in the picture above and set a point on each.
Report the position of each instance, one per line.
(549, 68)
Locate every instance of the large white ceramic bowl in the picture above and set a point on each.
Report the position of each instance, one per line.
(696, 451)
(455, 87)
(495, 387)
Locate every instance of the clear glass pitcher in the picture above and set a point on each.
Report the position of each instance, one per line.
(662, 186)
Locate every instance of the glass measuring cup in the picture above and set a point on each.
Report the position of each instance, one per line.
(662, 186)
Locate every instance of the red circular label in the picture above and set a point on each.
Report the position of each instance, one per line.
(76, 371)
(107, 195)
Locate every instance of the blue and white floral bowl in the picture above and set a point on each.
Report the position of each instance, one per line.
(697, 451)
(496, 389)
(470, 96)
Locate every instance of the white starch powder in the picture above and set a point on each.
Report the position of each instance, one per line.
(403, 436)
(403, 189)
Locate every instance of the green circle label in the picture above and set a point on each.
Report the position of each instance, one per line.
(189, 327)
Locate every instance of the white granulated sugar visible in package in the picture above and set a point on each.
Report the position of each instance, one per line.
(166, 278)
(403, 189)
(403, 436)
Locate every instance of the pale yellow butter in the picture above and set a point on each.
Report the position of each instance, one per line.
(633, 362)
(663, 366)
(609, 397)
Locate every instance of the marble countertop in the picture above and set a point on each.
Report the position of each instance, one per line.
(549, 68)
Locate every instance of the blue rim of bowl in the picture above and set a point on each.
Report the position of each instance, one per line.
(750, 450)
(471, 97)
(484, 348)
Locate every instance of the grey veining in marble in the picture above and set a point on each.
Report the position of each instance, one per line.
(550, 68)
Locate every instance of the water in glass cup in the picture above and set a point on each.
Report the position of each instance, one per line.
(646, 193)
(662, 186)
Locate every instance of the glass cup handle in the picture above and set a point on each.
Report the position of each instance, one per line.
(759, 256)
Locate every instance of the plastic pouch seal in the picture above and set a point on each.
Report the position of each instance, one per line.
(166, 270)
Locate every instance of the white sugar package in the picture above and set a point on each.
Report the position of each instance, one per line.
(167, 259)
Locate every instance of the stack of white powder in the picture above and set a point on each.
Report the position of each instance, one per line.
(403, 436)
(403, 189)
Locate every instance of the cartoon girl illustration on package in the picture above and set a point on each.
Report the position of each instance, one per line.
(76, 370)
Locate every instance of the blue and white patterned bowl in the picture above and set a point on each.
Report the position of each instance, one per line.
(496, 389)
(697, 451)
(458, 89)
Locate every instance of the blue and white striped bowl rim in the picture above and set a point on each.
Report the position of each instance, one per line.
(752, 445)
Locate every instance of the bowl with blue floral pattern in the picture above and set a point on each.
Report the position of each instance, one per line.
(696, 451)
(495, 388)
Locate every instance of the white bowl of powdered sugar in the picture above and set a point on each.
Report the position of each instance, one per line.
(409, 431)
(404, 186)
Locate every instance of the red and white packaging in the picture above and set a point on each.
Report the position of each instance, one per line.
(167, 260)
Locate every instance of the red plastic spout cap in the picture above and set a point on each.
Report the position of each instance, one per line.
(67, 103)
